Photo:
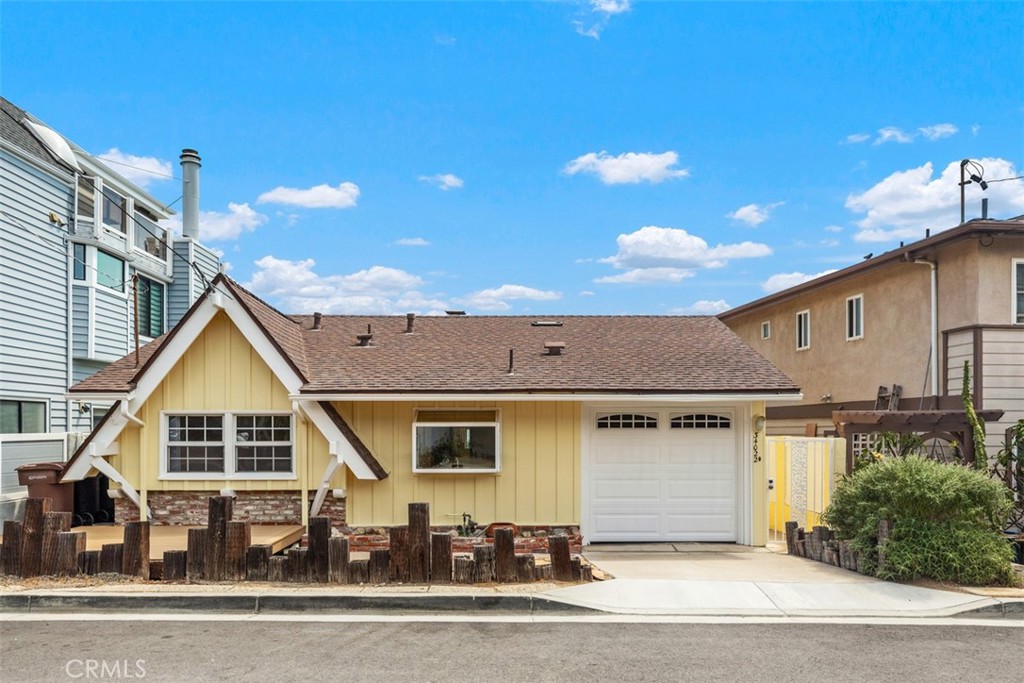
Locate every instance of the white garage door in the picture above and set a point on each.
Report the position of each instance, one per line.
(662, 476)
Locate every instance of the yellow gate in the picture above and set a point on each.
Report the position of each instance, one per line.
(803, 473)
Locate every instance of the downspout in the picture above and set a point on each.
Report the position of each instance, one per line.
(934, 327)
(70, 275)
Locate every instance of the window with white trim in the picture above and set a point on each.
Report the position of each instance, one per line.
(229, 445)
(456, 441)
(22, 417)
(700, 421)
(1018, 291)
(803, 330)
(855, 317)
(766, 329)
(109, 271)
(114, 210)
(627, 421)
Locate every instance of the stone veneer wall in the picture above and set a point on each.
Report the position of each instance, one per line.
(190, 508)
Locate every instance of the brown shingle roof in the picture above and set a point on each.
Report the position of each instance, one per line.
(470, 354)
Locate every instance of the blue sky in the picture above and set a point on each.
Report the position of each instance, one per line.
(573, 157)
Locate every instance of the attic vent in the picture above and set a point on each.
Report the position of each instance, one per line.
(554, 348)
(546, 323)
(455, 313)
(317, 320)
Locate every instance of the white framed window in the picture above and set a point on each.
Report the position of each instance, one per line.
(803, 330)
(855, 317)
(115, 210)
(23, 417)
(109, 271)
(700, 421)
(766, 329)
(627, 421)
(460, 441)
(1018, 291)
(227, 445)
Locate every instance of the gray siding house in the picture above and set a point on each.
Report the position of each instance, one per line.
(78, 244)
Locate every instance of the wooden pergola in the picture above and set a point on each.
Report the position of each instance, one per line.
(947, 425)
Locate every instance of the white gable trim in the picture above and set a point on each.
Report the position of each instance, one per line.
(338, 444)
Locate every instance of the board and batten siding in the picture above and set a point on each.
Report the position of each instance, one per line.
(539, 481)
(219, 372)
(34, 286)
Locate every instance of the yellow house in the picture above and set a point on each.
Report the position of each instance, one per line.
(631, 428)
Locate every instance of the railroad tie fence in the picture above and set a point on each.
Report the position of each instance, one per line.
(42, 544)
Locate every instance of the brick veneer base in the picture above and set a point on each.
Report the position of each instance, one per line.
(190, 508)
(531, 539)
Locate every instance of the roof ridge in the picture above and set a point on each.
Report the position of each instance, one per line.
(235, 283)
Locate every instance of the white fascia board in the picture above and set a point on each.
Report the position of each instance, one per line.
(608, 398)
(101, 444)
(98, 396)
(339, 446)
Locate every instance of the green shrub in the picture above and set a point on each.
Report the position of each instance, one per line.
(947, 521)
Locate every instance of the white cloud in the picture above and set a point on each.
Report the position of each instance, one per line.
(601, 12)
(781, 281)
(412, 242)
(631, 167)
(323, 196)
(216, 226)
(754, 214)
(586, 292)
(656, 247)
(704, 307)
(443, 181)
(644, 276)
(907, 202)
(893, 134)
(833, 228)
(857, 138)
(142, 171)
(938, 131)
(975, 128)
(497, 299)
(376, 290)
(830, 242)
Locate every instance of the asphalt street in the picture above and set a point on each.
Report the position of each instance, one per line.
(481, 652)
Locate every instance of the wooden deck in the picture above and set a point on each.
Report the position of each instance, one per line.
(161, 538)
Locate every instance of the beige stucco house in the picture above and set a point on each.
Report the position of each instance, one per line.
(907, 317)
(632, 428)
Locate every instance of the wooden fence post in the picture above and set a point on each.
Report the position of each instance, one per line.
(319, 555)
(32, 535)
(12, 548)
(504, 555)
(111, 556)
(399, 546)
(195, 568)
(257, 562)
(525, 568)
(136, 550)
(419, 542)
(379, 566)
(337, 550)
(218, 516)
(237, 542)
(298, 565)
(53, 522)
(465, 570)
(440, 558)
(359, 571)
(69, 544)
(561, 563)
(791, 537)
(89, 562)
(175, 565)
(277, 569)
(483, 555)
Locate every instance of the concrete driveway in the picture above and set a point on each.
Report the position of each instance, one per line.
(730, 580)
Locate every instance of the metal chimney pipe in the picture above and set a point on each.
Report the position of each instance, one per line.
(317, 320)
(984, 208)
(190, 165)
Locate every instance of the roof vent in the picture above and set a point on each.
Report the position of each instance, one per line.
(554, 348)
(546, 323)
(365, 339)
(453, 313)
(410, 318)
(317, 320)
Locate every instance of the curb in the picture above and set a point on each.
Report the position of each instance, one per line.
(289, 604)
(1006, 609)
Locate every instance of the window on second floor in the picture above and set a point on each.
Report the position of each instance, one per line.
(22, 417)
(151, 307)
(855, 317)
(86, 197)
(114, 210)
(78, 252)
(803, 330)
(766, 330)
(109, 271)
(1018, 291)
